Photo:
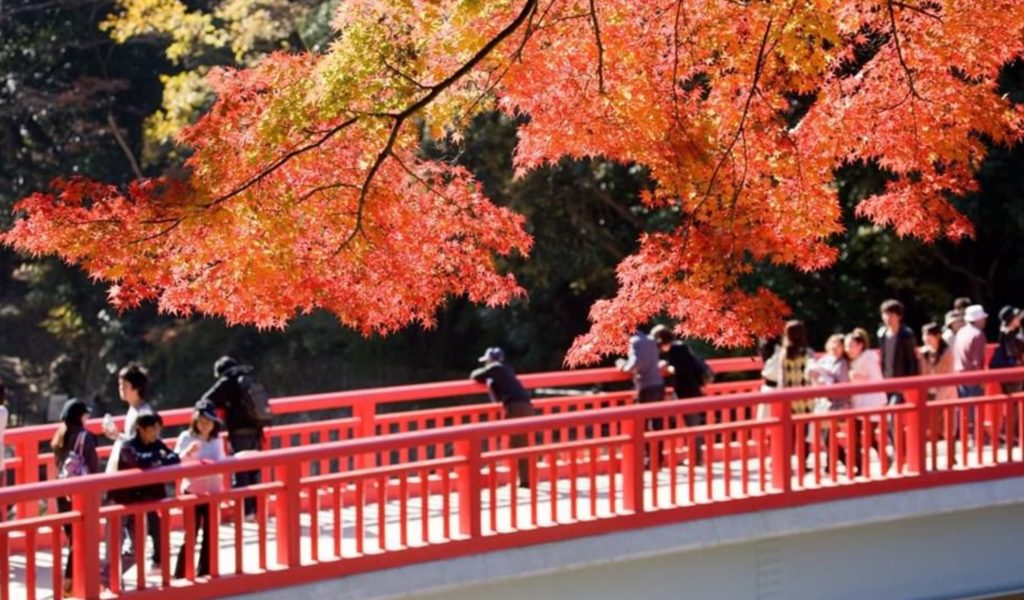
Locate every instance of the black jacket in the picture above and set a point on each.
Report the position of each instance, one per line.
(904, 362)
(688, 378)
(136, 455)
(502, 382)
(226, 395)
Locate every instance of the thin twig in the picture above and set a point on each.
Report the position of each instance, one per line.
(266, 171)
(918, 10)
(116, 131)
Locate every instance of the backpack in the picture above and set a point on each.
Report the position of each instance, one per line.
(74, 465)
(707, 374)
(1001, 359)
(253, 400)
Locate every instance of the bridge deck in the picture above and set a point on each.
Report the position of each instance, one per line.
(527, 515)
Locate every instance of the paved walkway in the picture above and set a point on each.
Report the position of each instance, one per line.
(519, 512)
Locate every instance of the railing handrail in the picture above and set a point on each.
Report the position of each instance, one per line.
(477, 431)
(395, 394)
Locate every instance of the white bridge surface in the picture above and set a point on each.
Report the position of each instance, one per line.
(752, 555)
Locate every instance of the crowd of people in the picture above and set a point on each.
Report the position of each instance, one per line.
(958, 345)
(238, 405)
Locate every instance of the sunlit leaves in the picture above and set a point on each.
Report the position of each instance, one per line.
(305, 189)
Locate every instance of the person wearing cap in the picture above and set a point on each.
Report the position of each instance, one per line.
(244, 434)
(201, 441)
(72, 436)
(952, 323)
(503, 386)
(969, 355)
(1009, 347)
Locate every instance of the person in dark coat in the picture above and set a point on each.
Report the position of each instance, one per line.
(145, 450)
(244, 433)
(689, 374)
(71, 438)
(898, 346)
(503, 386)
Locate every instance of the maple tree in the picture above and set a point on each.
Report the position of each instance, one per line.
(305, 188)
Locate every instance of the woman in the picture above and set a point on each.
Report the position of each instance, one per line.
(833, 367)
(74, 452)
(864, 367)
(793, 357)
(201, 441)
(936, 358)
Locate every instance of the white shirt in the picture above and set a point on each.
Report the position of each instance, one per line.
(863, 369)
(133, 413)
(208, 450)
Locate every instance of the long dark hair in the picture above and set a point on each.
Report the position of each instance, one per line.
(795, 339)
(70, 418)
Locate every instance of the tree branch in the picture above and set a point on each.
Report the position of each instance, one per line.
(600, 48)
(427, 98)
(899, 50)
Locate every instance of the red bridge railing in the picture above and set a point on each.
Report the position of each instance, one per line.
(337, 508)
(369, 412)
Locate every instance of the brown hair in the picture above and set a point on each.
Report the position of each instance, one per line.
(794, 340)
(892, 306)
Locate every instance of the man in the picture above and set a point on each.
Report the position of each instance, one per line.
(503, 386)
(689, 375)
(132, 387)
(969, 355)
(898, 346)
(245, 432)
(643, 363)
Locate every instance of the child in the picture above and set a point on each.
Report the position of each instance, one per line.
(145, 450)
(201, 442)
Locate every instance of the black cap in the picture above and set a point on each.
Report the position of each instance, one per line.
(1007, 314)
(206, 408)
(223, 364)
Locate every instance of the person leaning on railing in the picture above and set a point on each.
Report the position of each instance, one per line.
(864, 368)
(503, 386)
(201, 441)
(145, 450)
(74, 455)
(831, 368)
(790, 364)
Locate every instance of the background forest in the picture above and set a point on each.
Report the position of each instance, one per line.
(99, 88)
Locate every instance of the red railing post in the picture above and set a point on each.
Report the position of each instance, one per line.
(288, 510)
(781, 439)
(469, 480)
(916, 430)
(85, 533)
(29, 452)
(366, 412)
(633, 465)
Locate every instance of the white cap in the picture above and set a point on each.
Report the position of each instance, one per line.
(974, 313)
